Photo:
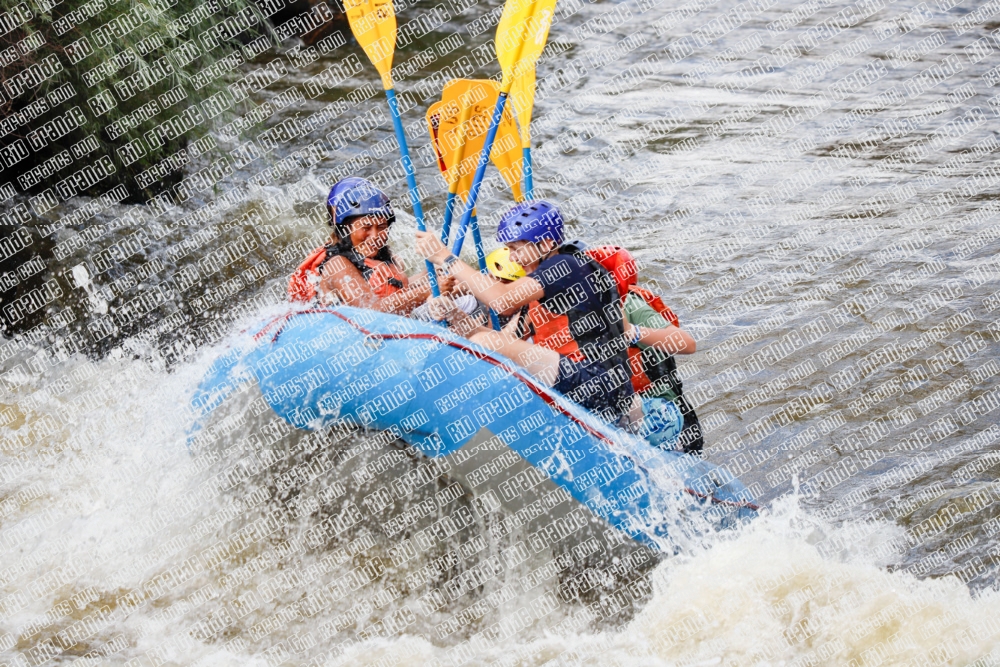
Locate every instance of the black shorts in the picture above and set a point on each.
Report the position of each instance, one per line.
(594, 387)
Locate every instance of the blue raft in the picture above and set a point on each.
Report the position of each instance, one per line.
(507, 437)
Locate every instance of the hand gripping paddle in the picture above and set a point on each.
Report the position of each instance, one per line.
(458, 125)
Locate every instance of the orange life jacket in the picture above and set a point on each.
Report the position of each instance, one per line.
(384, 278)
(552, 331)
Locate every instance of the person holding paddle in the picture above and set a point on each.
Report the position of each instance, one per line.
(355, 266)
(580, 347)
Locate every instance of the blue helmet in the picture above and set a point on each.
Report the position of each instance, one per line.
(531, 221)
(352, 197)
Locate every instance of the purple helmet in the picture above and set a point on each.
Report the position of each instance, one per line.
(352, 197)
(531, 221)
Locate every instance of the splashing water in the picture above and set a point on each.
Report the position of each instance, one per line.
(109, 520)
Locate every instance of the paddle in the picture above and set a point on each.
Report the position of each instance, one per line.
(520, 39)
(433, 124)
(505, 156)
(436, 114)
(373, 23)
(522, 96)
(457, 125)
(508, 160)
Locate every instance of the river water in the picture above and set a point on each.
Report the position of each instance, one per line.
(811, 186)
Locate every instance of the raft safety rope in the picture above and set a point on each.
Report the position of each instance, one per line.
(531, 383)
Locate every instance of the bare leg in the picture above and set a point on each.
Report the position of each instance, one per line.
(541, 362)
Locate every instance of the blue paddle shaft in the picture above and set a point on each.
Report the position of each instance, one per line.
(481, 255)
(411, 180)
(477, 179)
(529, 185)
(478, 240)
(449, 209)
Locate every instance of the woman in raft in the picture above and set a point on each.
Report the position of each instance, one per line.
(355, 267)
(581, 340)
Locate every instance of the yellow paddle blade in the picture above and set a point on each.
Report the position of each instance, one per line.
(463, 131)
(522, 96)
(465, 113)
(507, 155)
(521, 34)
(373, 23)
(466, 106)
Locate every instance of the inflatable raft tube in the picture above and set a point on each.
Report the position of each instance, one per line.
(517, 444)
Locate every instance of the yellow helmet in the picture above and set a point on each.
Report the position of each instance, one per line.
(502, 266)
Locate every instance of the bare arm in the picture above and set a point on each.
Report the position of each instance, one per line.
(541, 362)
(501, 297)
(443, 309)
(340, 277)
(672, 340)
(504, 298)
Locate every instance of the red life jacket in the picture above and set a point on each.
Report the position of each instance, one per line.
(384, 278)
(649, 366)
(656, 303)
